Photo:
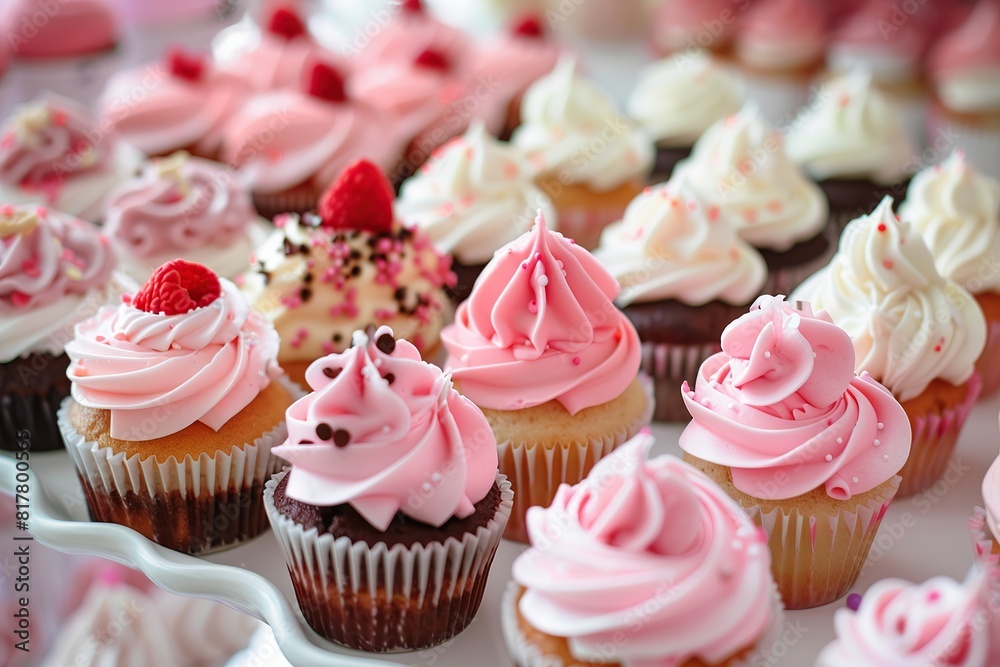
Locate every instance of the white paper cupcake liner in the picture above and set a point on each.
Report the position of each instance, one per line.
(669, 365)
(197, 505)
(526, 654)
(380, 598)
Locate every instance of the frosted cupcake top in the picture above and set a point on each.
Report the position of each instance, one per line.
(672, 244)
(782, 407)
(956, 210)
(383, 427)
(74, 28)
(899, 624)
(680, 24)
(909, 325)
(51, 267)
(677, 98)
(474, 196)
(782, 35)
(850, 131)
(965, 63)
(740, 165)
(892, 55)
(542, 309)
(185, 348)
(652, 541)
(560, 116)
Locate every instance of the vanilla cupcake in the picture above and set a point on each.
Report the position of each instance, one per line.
(474, 196)
(588, 158)
(914, 331)
(957, 212)
(183, 207)
(679, 97)
(740, 169)
(685, 274)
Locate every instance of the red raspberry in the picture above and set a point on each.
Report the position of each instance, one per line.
(360, 199)
(178, 287)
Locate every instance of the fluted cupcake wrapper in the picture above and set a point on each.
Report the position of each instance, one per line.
(197, 505)
(526, 654)
(985, 547)
(380, 598)
(669, 365)
(935, 435)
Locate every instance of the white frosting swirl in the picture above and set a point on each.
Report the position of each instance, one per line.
(677, 98)
(671, 244)
(909, 325)
(571, 130)
(957, 211)
(474, 196)
(851, 131)
(204, 632)
(740, 165)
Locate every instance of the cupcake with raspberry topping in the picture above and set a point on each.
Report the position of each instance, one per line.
(808, 448)
(53, 153)
(55, 271)
(393, 473)
(176, 402)
(350, 266)
(188, 208)
(634, 566)
(915, 331)
(541, 348)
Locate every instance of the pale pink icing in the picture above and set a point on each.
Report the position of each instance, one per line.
(75, 28)
(542, 309)
(202, 205)
(173, 113)
(874, 30)
(61, 255)
(409, 34)
(285, 138)
(784, 26)
(900, 624)
(387, 434)
(687, 24)
(974, 45)
(649, 558)
(782, 407)
(277, 62)
(158, 374)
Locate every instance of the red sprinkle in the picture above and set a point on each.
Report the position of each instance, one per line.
(887, 263)
(881, 226)
(713, 213)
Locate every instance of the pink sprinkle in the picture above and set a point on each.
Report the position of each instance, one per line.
(274, 155)
(20, 299)
(510, 170)
(328, 347)
(467, 201)
(532, 306)
(302, 333)
(524, 265)
(937, 348)
(646, 190)
(713, 213)
(774, 206)
(42, 212)
(843, 100)
(692, 206)
(8, 140)
(30, 268)
(933, 596)
(887, 263)
(576, 361)
(100, 339)
(7, 210)
(59, 118)
(119, 336)
(750, 216)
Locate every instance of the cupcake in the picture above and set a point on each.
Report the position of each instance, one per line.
(938, 622)
(181, 103)
(393, 508)
(679, 97)
(679, 25)
(183, 207)
(289, 145)
(850, 140)
(685, 275)
(965, 68)
(53, 153)
(589, 159)
(175, 406)
(985, 523)
(354, 265)
(55, 271)
(957, 212)
(543, 309)
(474, 196)
(914, 331)
(740, 169)
(809, 449)
(634, 566)
(778, 45)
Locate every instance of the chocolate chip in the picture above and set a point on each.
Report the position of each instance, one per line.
(399, 293)
(337, 338)
(356, 271)
(331, 372)
(324, 431)
(305, 442)
(386, 343)
(305, 293)
(390, 378)
(308, 277)
(341, 437)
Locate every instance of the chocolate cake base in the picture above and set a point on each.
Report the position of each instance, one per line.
(31, 389)
(467, 276)
(852, 198)
(665, 161)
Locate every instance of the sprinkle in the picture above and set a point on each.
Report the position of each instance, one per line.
(713, 213)
(323, 431)
(937, 348)
(731, 405)
(933, 596)
(774, 206)
(877, 442)
(840, 441)
(737, 544)
(885, 457)
(829, 457)
(853, 601)
(881, 426)
(855, 480)
(881, 226)
(175, 346)
(341, 437)
(331, 372)
(427, 487)
(532, 306)
(436, 478)
(386, 343)
(576, 361)
(705, 402)
(767, 355)
(260, 374)
(750, 215)
(887, 263)
(524, 265)
(543, 280)
(754, 550)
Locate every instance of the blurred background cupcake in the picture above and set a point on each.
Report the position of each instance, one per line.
(916, 332)
(685, 275)
(695, 24)
(679, 97)
(474, 196)
(151, 26)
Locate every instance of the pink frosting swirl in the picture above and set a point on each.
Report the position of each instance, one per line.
(782, 407)
(45, 255)
(639, 535)
(178, 205)
(279, 62)
(899, 624)
(385, 432)
(791, 32)
(973, 45)
(172, 370)
(542, 309)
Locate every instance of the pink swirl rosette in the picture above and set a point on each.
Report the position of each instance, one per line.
(649, 557)
(781, 401)
(384, 429)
